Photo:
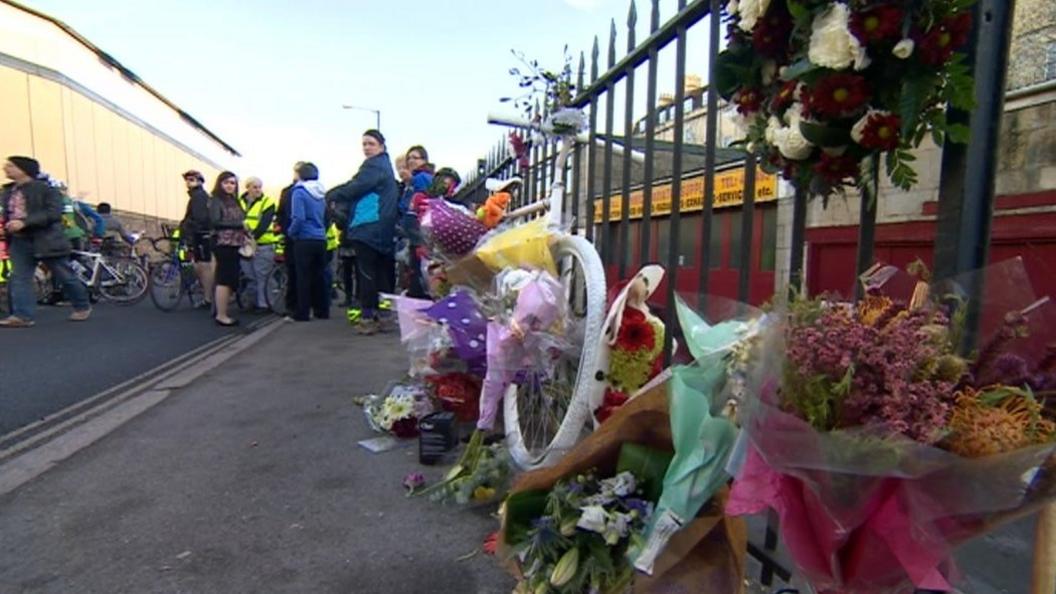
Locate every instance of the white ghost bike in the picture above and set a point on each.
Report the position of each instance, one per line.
(546, 413)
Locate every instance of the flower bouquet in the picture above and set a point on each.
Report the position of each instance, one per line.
(399, 411)
(634, 341)
(570, 507)
(826, 87)
(881, 448)
(485, 481)
(579, 542)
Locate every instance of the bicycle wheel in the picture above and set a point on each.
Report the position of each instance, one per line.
(275, 290)
(544, 418)
(166, 285)
(246, 294)
(128, 282)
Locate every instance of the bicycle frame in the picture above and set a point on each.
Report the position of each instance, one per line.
(98, 264)
(555, 199)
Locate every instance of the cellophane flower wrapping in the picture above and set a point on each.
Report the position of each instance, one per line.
(450, 230)
(878, 505)
(527, 337)
(702, 430)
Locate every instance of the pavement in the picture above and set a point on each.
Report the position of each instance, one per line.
(249, 479)
(67, 362)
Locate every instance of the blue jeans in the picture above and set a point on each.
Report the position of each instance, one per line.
(23, 265)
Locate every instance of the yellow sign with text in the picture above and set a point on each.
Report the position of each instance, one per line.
(729, 191)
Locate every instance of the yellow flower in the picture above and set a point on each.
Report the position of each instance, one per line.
(483, 493)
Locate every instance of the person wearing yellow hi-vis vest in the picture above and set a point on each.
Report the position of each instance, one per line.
(260, 213)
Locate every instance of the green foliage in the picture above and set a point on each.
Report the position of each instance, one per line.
(825, 136)
(647, 464)
(817, 399)
(959, 90)
(898, 169)
(916, 92)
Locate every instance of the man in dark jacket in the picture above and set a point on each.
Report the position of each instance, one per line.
(284, 216)
(373, 203)
(33, 211)
(196, 228)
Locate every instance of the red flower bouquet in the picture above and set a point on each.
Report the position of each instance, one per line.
(881, 449)
(797, 72)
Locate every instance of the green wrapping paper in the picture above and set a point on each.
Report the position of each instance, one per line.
(702, 437)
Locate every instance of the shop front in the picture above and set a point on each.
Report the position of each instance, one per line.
(724, 240)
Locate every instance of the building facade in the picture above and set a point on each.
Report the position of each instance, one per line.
(94, 123)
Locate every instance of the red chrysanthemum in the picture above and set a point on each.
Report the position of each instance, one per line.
(636, 334)
(880, 23)
(835, 169)
(936, 46)
(748, 101)
(785, 97)
(881, 131)
(770, 36)
(838, 95)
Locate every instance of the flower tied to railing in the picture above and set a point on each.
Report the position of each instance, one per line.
(555, 89)
(826, 88)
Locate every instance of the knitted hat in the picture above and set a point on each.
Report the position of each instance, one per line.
(376, 135)
(28, 165)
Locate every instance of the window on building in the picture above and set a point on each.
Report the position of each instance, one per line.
(1050, 62)
(768, 255)
(663, 243)
(736, 217)
(687, 242)
(715, 240)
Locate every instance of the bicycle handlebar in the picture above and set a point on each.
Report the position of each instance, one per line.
(581, 138)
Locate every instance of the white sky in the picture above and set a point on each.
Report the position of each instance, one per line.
(270, 79)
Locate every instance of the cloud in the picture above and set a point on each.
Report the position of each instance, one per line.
(585, 5)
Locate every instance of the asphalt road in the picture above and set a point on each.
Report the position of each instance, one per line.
(58, 363)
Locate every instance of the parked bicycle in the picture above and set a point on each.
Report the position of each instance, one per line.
(117, 280)
(172, 278)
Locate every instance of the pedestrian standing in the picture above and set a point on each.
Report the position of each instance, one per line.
(260, 216)
(421, 177)
(229, 233)
(308, 228)
(196, 231)
(33, 213)
(283, 217)
(372, 198)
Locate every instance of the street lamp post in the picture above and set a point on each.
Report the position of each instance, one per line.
(376, 112)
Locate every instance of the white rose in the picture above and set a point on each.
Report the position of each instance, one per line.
(732, 7)
(772, 127)
(832, 45)
(903, 49)
(751, 11)
(792, 145)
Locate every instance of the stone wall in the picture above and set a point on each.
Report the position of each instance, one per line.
(1034, 26)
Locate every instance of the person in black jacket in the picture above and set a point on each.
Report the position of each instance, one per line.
(196, 230)
(284, 216)
(371, 197)
(33, 214)
(229, 227)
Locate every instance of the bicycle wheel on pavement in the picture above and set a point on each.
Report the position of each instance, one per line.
(166, 285)
(546, 416)
(275, 290)
(125, 282)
